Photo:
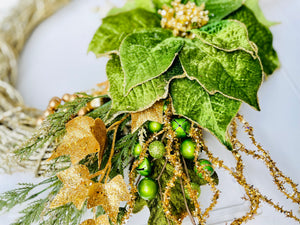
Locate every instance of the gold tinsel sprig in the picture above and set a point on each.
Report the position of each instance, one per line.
(183, 17)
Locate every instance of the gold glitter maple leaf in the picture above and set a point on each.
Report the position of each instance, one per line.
(154, 113)
(84, 136)
(109, 196)
(76, 186)
(101, 220)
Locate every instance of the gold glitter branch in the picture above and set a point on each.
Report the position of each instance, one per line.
(271, 165)
(253, 194)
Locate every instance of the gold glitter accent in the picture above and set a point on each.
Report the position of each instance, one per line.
(76, 186)
(181, 18)
(101, 220)
(109, 196)
(99, 132)
(154, 113)
(84, 136)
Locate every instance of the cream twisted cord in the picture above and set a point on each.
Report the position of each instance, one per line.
(17, 122)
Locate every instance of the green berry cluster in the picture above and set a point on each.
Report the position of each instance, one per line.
(147, 187)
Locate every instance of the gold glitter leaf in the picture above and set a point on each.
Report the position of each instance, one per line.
(104, 86)
(154, 113)
(101, 220)
(99, 132)
(109, 196)
(84, 136)
(76, 186)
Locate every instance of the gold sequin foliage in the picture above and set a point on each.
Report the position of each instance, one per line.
(183, 17)
(199, 215)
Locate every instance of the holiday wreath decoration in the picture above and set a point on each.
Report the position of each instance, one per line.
(175, 69)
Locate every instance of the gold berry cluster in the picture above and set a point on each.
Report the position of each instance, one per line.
(182, 18)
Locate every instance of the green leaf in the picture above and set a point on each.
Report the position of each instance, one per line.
(212, 112)
(254, 6)
(147, 54)
(159, 3)
(157, 215)
(139, 204)
(234, 74)
(218, 9)
(227, 35)
(116, 27)
(142, 96)
(261, 36)
(133, 4)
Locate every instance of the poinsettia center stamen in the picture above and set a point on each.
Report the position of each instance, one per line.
(183, 17)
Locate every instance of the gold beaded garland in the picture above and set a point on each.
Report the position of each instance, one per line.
(95, 103)
(66, 97)
(83, 111)
(72, 97)
(56, 101)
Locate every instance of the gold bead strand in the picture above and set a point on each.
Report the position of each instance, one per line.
(56, 101)
(51, 108)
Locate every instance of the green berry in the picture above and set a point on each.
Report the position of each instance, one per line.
(181, 126)
(144, 168)
(195, 187)
(165, 107)
(137, 150)
(207, 167)
(155, 126)
(187, 148)
(147, 188)
(157, 149)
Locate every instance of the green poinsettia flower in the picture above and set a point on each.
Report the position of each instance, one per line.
(207, 75)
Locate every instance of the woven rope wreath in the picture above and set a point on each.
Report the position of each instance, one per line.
(17, 121)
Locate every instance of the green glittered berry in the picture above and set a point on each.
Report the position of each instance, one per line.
(147, 188)
(144, 168)
(165, 107)
(155, 127)
(187, 148)
(195, 187)
(157, 149)
(181, 126)
(207, 167)
(137, 150)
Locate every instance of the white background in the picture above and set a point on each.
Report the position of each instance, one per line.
(55, 61)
